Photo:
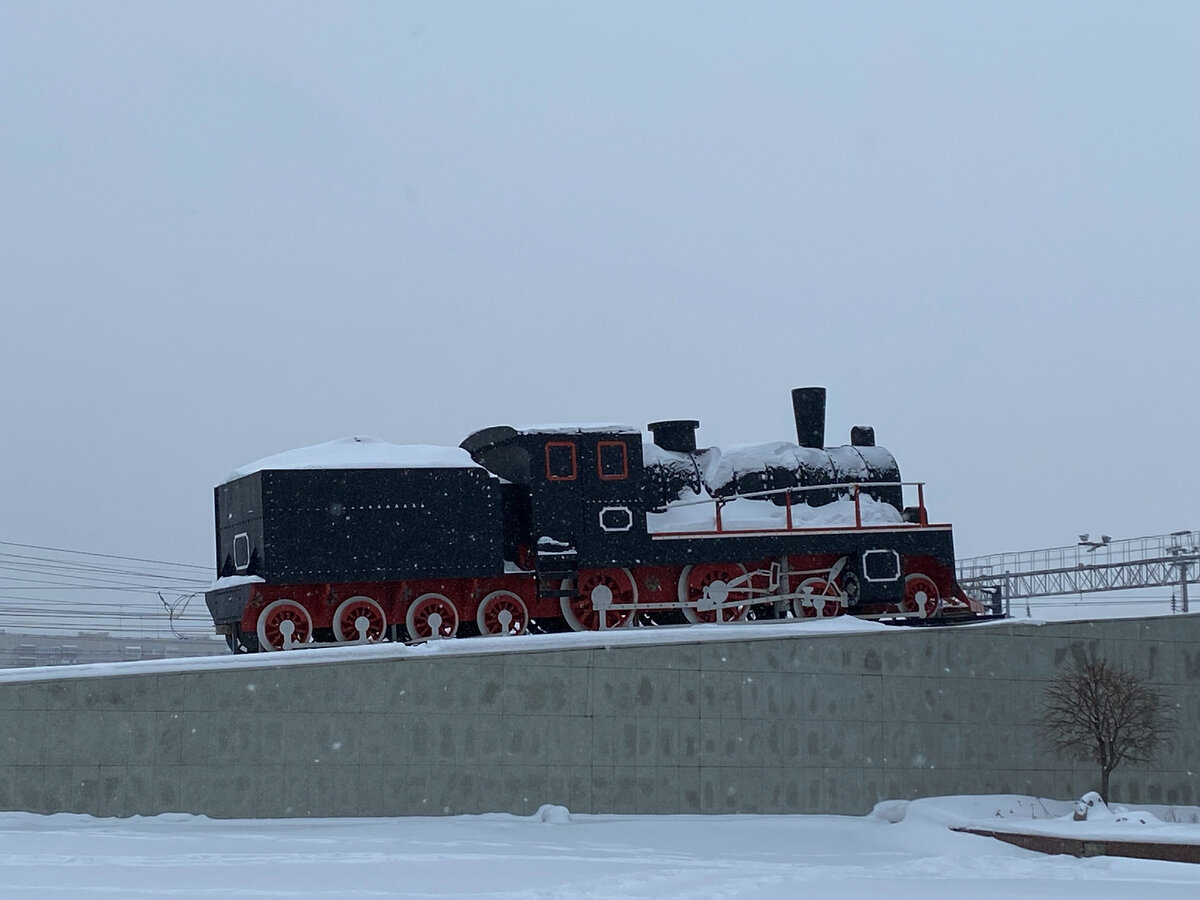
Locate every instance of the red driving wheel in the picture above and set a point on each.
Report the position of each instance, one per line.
(709, 584)
(921, 596)
(431, 614)
(283, 624)
(597, 589)
(502, 612)
(359, 619)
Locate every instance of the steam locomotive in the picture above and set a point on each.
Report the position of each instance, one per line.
(572, 527)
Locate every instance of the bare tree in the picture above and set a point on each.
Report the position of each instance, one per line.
(1105, 713)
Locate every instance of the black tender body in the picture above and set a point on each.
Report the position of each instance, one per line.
(352, 525)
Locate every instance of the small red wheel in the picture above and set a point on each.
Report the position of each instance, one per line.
(921, 596)
(598, 589)
(707, 585)
(283, 624)
(359, 619)
(818, 596)
(430, 614)
(502, 612)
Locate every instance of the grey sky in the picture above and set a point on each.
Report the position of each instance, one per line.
(229, 229)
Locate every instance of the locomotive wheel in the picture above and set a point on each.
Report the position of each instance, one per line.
(284, 624)
(359, 619)
(921, 596)
(502, 612)
(692, 582)
(598, 587)
(826, 600)
(430, 613)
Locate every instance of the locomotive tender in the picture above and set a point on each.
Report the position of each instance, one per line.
(571, 527)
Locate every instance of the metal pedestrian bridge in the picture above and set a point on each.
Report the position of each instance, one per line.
(1091, 566)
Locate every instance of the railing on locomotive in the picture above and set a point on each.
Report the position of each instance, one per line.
(855, 488)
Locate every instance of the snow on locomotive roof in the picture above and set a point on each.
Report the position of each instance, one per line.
(851, 462)
(721, 464)
(361, 453)
(580, 428)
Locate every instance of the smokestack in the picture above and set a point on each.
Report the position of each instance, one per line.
(808, 404)
(678, 435)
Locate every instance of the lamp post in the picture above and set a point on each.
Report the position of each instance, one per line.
(1093, 546)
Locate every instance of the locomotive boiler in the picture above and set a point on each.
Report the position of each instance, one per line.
(573, 527)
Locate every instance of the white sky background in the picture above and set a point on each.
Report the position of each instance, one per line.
(231, 229)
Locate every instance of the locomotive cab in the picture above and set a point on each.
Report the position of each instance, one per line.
(574, 491)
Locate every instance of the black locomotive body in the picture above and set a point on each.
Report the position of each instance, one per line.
(572, 527)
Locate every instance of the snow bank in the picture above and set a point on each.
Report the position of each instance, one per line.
(1019, 814)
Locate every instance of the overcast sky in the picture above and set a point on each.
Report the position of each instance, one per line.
(230, 229)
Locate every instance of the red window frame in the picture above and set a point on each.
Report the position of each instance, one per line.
(600, 446)
(574, 461)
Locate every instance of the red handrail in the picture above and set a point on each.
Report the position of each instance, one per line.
(855, 490)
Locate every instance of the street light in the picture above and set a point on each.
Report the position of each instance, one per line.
(1093, 546)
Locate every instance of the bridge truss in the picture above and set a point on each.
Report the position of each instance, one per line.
(1091, 566)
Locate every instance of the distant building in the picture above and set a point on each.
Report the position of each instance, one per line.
(24, 650)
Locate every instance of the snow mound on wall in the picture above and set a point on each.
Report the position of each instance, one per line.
(553, 814)
(361, 453)
(890, 811)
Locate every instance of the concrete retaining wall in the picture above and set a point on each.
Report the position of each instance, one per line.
(793, 722)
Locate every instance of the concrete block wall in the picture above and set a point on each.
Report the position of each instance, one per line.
(793, 722)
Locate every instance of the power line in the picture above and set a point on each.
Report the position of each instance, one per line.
(104, 555)
(44, 562)
(46, 589)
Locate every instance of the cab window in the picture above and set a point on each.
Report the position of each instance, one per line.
(561, 461)
(612, 460)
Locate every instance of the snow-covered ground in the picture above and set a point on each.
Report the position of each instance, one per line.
(902, 850)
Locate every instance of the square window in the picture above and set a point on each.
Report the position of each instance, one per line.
(560, 461)
(612, 460)
(881, 565)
